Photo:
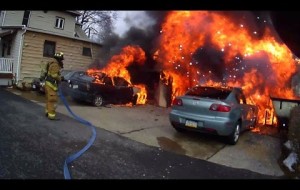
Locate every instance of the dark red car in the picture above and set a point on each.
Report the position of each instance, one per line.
(102, 89)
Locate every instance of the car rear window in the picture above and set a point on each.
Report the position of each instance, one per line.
(209, 92)
(87, 78)
(68, 75)
(65, 72)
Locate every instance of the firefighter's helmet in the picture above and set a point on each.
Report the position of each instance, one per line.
(59, 56)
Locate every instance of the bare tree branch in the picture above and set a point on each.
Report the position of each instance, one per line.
(97, 24)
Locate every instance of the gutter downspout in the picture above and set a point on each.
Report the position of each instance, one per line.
(20, 55)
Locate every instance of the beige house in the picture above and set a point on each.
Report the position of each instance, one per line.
(28, 39)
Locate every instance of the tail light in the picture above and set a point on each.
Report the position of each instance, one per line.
(220, 108)
(177, 102)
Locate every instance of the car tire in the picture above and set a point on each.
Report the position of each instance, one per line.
(98, 101)
(235, 135)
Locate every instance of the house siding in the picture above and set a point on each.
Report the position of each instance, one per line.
(13, 18)
(41, 20)
(33, 60)
(46, 21)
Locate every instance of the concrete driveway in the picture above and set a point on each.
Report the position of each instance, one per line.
(149, 124)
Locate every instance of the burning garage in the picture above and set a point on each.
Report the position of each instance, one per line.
(217, 48)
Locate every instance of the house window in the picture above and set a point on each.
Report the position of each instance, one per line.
(26, 18)
(59, 23)
(49, 48)
(86, 51)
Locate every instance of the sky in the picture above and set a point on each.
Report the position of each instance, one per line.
(127, 19)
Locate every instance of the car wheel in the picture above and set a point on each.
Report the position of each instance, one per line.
(235, 135)
(98, 101)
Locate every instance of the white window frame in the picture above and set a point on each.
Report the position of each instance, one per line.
(60, 23)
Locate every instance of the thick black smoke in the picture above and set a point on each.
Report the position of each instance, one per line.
(145, 38)
(288, 28)
(209, 59)
(254, 21)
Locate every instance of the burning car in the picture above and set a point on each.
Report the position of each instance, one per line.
(100, 89)
(217, 110)
(39, 84)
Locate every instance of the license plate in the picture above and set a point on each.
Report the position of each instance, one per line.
(75, 86)
(33, 86)
(189, 123)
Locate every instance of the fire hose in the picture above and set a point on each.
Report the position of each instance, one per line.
(76, 155)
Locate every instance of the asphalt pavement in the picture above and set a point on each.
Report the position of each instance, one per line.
(33, 147)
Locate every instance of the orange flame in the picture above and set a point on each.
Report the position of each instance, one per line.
(118, 63)
(117, 66)
(262, 67)
(142, 95)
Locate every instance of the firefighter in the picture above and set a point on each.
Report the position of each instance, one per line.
(53, 78)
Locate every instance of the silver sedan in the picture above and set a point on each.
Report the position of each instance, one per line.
(217, 110)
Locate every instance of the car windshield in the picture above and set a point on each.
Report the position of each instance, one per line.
(209, 92)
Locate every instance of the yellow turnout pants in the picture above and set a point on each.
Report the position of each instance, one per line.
(51, 102)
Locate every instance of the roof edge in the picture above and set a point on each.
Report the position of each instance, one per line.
(74, 13)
